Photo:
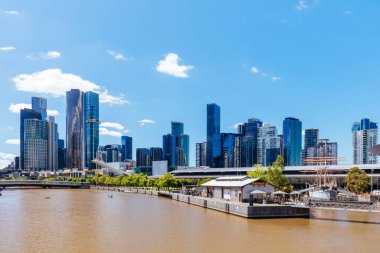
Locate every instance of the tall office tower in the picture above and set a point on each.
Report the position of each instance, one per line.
(52, 144)
(310, 145)
(74, 129)
(24, 115)
(329, 151)
(268, 145)
(91, 127)
(36, 134)
(281, 136)
(292, 141)
(40, 105)
(142, 157)
(364, 136)
(169, 150)
(249, 143)
(228, 145)
(155, 154)
(180, 157)
(177, 128)
(200, 153)
(214, 145)
(17, 163)
(61, 154)
(184, 145)
(126, 144)
(112, 153)
(241, 129)
(237, 151)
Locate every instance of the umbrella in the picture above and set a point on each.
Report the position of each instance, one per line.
(295, 193)
(257, 192)
(279, 193)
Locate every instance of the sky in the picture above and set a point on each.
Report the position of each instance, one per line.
(157, 61)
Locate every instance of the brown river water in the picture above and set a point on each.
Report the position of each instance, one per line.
(89, 221)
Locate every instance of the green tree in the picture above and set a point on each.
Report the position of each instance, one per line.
(258, 172)
(357, 180)
(167, 180)
(275, 174)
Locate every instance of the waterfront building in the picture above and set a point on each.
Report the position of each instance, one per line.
(249, 142)
(61, 154)
(201, 152)
(364, 136)
(268, 145)
(74, 129)
(214, 148)
(126, 143)
(142, 157)
(91, 128)
(155, 154)
(40, 105)
(24, 115)
(52, 144)
(292, 141)
(36, 135)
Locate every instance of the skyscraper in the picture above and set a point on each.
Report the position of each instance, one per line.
(52, 144)
(311, 140)
(249, 142)
(126, 144)
(61, 154)
(91, 127)
(214, 145)
(176, 146)
(36, 135)
(292, 141)
(169, 150)
(142, 157)
(177, 128)
(228, 144)
(364, 136)
(155, 154)
(184, 144)
(268, 145)
(40, 105)
(24, 115)
(200, 153)
(329, 151)
(74, 129)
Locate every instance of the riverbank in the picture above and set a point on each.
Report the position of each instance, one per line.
(262, 210)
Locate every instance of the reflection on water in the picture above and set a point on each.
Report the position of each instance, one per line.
(89, 221)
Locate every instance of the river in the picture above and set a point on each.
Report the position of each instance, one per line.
(89, 221)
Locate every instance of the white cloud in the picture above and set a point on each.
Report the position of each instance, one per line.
(6, 159)
(12, 13)
(116, 126)
(51, 55)
(15, 108)
(170, 65)
(146, 121)
(106, 131)
(55, 83)
(275, 78)
(301, 6)
(254, 70)
(13, 141)
(237, 125)
(6, 49)
(117, 56)
(126, 131)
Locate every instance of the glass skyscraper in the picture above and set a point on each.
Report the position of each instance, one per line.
(142, 157)
(40, 105)
(169, 150)
(126, 143)
(249, 142)
(74, 129)
(292, 141)
(364, 136)
(52, 144)
(228, 144)
(200, 159)
(177, 128)
(91, 127)
(214, 148)
(311, 145)
(61, 154)
(268, 145)
(24, 115)
(155, 154)
(36, 135)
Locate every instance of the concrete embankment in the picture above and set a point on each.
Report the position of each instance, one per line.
(361, 216)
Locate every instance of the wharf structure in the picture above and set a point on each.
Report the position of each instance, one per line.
(299, 176)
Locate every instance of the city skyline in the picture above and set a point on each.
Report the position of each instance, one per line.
(143, 94)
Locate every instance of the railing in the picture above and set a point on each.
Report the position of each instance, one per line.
(40, 183)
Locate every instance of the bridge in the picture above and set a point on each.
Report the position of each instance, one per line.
(42, 184)
(109, 168)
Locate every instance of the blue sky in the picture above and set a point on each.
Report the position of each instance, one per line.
(157, 61)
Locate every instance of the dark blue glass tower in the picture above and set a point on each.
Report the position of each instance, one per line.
(169, 150)
(40, 105)
(142, 157)
(61, 154)
(214, 148)
(25, 114)
(249, 142)
(91, 127)
(126, 143)
(228, 143)
(177, 128)
(292, 141)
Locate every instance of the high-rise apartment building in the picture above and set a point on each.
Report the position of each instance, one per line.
(176, 146)
(214, 145)
(142, 157)
(155, 154)
(126, 144)
(25, 114)
(310, 149)
(91, 128)
(36, 136)
(364, 136)
(200, 154)
(249, 142)
(228, 145)
(328, 151)
(292, 141)
(40, 105)
(52, 144)
(268, 145)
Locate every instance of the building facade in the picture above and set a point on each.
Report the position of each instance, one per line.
(52, 144)
(126, 144)
(364, 136)
(36, 134)
(142, 157)
(200, 154)
(91, 128)
(268, 145)
(249, 142)
(61, 154)
(214, 148)
(292, 141)
(155, 154)
(40, 105)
